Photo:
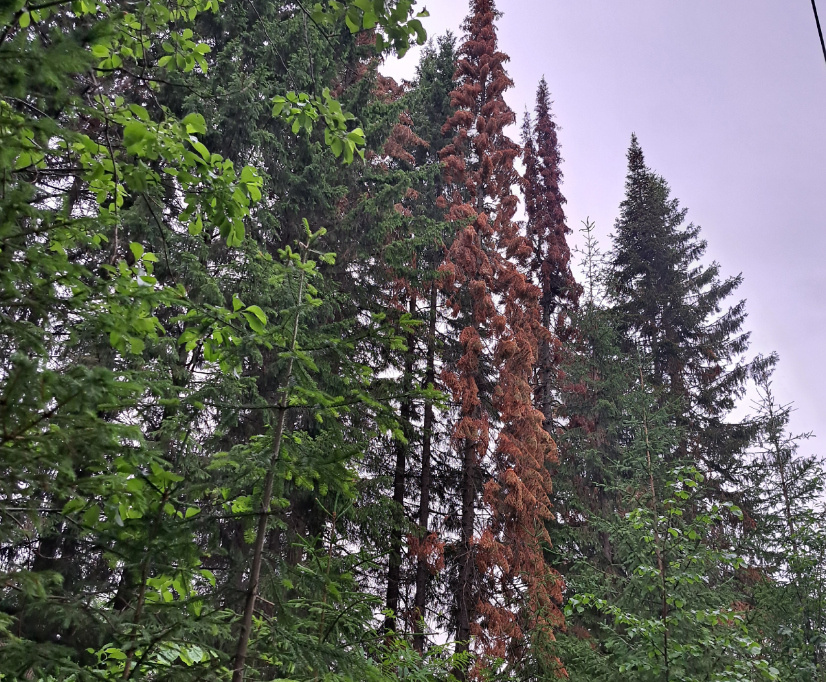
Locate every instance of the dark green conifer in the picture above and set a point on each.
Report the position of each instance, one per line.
(676, 308)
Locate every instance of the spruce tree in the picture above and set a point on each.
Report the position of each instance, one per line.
(470, 272)
(430, 107)
(547, 233)
(675, 307)
(491, 380)
(785, 581)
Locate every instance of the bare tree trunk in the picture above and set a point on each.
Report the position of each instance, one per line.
(422, 569)
(399, 475)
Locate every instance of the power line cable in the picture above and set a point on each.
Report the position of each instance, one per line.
(819, 30)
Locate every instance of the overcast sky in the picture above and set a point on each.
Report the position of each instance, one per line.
(728, 100)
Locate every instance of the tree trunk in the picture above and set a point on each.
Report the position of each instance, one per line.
(465, 598)
(422, 569)
(394, 567)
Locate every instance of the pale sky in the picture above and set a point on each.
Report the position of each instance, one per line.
(728, 99)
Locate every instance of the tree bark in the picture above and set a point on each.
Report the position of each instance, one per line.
(394, 567)
(422, 569)
(465, 599)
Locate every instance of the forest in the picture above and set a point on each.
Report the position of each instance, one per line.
(302, 380)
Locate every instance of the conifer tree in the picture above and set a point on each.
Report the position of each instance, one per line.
(491, 381)
(621, 425)
(470, 272)
(430, 107)
(547, 233)
(653, 593)
(788, 542)
(675, 307)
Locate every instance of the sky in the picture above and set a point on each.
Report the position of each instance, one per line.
(728, 100)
